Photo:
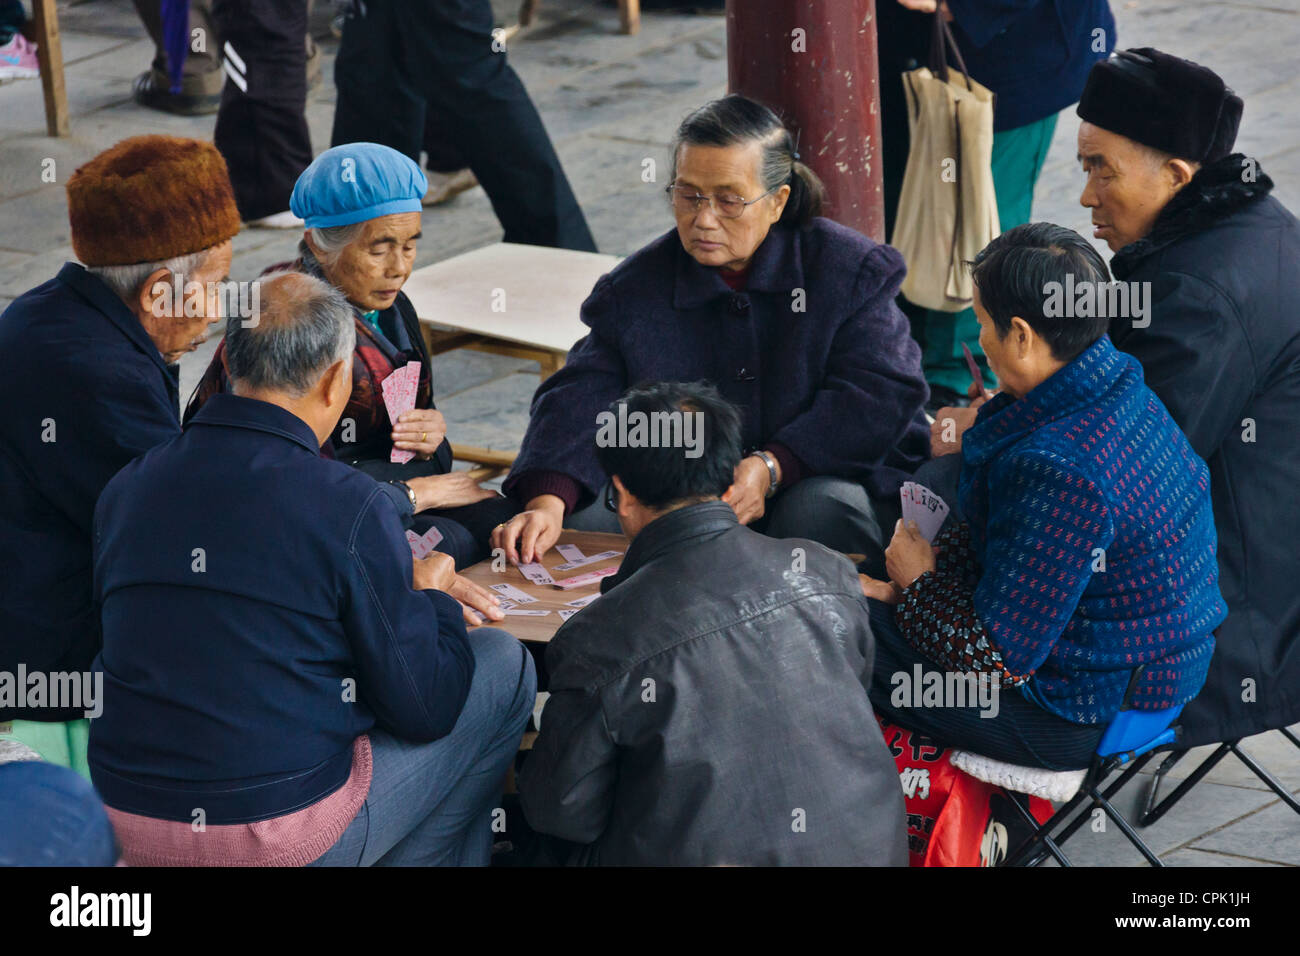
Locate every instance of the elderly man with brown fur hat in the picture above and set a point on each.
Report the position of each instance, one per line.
(1217, 260)
(86, 387)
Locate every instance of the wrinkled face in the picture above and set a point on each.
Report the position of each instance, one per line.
(180, 323)
(725, 171)
(994, 347)
(1126, 187)
(372, 268)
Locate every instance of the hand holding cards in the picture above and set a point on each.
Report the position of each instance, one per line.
(399, 396)
(923, 506)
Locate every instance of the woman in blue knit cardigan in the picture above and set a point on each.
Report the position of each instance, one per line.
(1088, 542)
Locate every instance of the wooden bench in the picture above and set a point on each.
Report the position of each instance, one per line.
(506, 299)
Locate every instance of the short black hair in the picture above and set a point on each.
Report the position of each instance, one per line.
(662, 473)
(1013, 274)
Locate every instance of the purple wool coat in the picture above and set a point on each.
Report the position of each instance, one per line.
(813, 350)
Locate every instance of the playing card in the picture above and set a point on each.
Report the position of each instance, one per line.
(565, 614)
(512, 593)
(928, 511)
(536, 573)
(424, 545)
(591, 577)
(591, 559)
(519, 612)
(584, 601)
(570, 552)
(399, 390)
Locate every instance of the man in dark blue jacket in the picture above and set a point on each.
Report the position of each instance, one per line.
(85, 382)
(271, 652)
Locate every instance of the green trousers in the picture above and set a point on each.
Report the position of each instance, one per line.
(1018, 156)
(62, 743)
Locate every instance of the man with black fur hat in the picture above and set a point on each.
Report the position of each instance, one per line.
(1219, 345)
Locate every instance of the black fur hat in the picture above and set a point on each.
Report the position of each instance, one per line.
(1162, 101)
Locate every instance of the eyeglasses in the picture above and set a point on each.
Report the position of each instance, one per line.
(611, 496)
(687, 200)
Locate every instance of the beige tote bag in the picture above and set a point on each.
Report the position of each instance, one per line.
(947, 210)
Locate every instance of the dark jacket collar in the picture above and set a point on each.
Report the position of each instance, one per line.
(1214, 193)
(776, 266)
(92, 288)
(1082, 383)
(674, 530)
(235, 411)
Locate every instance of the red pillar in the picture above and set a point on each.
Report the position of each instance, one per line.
(814, 62)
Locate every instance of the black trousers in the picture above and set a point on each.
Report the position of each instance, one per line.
(404, 59)
(261, 130)
(1016, 729)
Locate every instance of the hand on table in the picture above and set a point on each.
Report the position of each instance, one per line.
(420, 430)
(748, 492)
(452, 490)
(476, 601)
(529, 535)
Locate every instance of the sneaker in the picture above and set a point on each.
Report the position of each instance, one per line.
(279, 220)
(444, 186)
(147, 91)
(18, 59)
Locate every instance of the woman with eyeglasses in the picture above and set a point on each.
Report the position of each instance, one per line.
(789, 314)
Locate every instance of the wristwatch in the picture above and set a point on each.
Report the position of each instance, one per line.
(773, 482)
(410, 493)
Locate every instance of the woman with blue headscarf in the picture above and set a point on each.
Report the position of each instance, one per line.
(361, 205)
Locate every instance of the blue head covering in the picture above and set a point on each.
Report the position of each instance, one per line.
(356, 182)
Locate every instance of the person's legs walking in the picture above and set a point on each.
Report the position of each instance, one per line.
(261, 130)
(431, 803)
(462, 72)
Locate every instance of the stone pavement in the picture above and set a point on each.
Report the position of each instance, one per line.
(610, 102)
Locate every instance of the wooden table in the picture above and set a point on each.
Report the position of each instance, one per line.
(540, 630)
(507, 298)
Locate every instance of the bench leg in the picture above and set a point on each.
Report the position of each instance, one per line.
(49, 53)
(629, 16)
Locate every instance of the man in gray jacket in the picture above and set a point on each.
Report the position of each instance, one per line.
(711, 708)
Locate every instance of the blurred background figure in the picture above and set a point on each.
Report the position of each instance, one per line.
(401, 63)
(1034, 55)
(17, 53)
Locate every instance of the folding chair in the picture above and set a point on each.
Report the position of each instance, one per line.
(1130, 741)
(1152, 811)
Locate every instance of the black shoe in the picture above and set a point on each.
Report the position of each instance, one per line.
(147, 93)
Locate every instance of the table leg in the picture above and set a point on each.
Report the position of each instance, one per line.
(49, 53)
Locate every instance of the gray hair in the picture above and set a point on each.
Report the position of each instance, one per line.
(736, 120)
(304, 326)
(125, 281)
(332, 240)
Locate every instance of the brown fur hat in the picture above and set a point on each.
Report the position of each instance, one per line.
(150, 198)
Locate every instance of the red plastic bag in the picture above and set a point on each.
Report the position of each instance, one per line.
(952, 818)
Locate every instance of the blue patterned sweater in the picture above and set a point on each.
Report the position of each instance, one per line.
(1089, 548)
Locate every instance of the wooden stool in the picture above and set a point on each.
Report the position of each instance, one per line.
(629, 14)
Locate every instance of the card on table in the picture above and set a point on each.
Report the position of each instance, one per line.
(570, 552)
(567, 613)
(536, 573)
(510, 592)
(590, 577)
(584, 601)
(589, 559)
(520, 612)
